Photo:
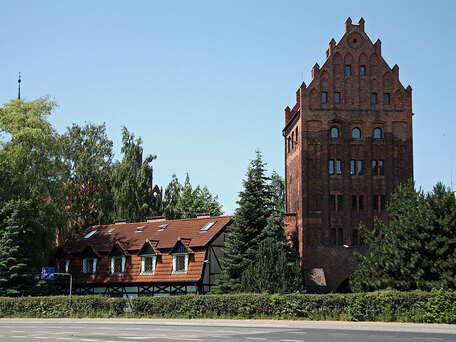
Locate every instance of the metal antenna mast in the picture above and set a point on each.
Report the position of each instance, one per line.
(19, 87)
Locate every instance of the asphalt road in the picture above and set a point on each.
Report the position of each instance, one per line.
(105, 330)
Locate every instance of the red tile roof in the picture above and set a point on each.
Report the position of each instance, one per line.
(187, 230)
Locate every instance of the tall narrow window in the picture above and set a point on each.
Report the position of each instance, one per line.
(381, 169)
(362, 70)
(379, 202)
(386, 98)
(331, 166)
(334, 132)
(361, 203)
(333, 237)
(338, 167)
(332, 202)
(355, 237)
(354, 203)
(353, 167)
(377, 133)
(336, 97)
(374, 168)
(356, 133)
(292, 140)
(360, 167)
(297, 139)
(340, 237)
(339, 202)
(382, 202)
(374, 98)
(324, 97)
(348, 70)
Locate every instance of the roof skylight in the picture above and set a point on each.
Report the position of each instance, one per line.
(109, 232)
(91, 233)
(208, 226)
(140, 229)
(162, 227)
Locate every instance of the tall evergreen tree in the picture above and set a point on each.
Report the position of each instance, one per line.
(278, 192)
(245, 234)
(132, 182)
(18, 274)
(276, 266)
(416, 249)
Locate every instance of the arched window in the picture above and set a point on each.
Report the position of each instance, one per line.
(356, 133)
(377, 133)
(334, 132)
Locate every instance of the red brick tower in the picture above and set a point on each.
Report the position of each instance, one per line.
(348, 145)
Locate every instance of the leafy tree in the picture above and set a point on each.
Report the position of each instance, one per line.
(31, 167)
(278, 192)
(18, 231)
(276, 266)
(132, 182)
(416, 249)
(87, 153)
(184, 201)
(250, 219)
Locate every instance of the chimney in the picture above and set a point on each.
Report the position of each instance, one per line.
(123, 221)
(203, 215)
(155, 218)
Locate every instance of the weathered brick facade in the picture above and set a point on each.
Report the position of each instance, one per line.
(348, 145)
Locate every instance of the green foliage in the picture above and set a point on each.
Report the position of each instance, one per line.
(390, 306)
(416, 249)
(18, 274)
(245, 234)
(278, 192)
(184, 201)
(132, 182)
(276, 267)
(87, 154)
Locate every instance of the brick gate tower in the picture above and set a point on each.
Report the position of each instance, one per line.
(348, 145)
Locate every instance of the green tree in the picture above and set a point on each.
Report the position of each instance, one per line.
(184, 201)
(31, 167)
(245, 234)
(278, 192)
(132, 182)
(87, 153)
(415, 250)
(276, 266)
(18, 231)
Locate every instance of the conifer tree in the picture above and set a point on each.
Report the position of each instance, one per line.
(245, 234)
(18, 277)
(276, 265)
(416, 249)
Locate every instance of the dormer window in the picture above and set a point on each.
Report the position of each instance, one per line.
(118, 260)
(89, 261)
(148, 256)
(180, 257)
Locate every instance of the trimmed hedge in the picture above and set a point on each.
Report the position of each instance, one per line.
(390, 306)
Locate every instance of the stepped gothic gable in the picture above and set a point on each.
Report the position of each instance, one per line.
(348, 145)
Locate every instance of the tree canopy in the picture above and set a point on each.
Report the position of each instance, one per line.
(416, 249)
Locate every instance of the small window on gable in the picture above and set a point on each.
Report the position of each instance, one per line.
(139, 229)
(208, 226)
(162, 227)
(362, 70)
(118, 265)
(109, 232)
(334, 132)
(377, 133)
(356, 133)
(91, 233)
(386, 98)
(373, 98)
(348, 70)
(148, 263)
(324, 97)
(180, 258)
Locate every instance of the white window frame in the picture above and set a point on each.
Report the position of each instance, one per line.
(124, 259)
(175, 263)
(94, 265)
(143, 264)
(67, 265)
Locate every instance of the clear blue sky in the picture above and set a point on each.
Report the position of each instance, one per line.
(205, 83)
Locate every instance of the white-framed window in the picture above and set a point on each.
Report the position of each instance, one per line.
(89, 266)
(118, 265)
(148, 264)
(180, 263)
(67, 265)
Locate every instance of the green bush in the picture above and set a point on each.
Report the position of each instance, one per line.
(390, 306)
